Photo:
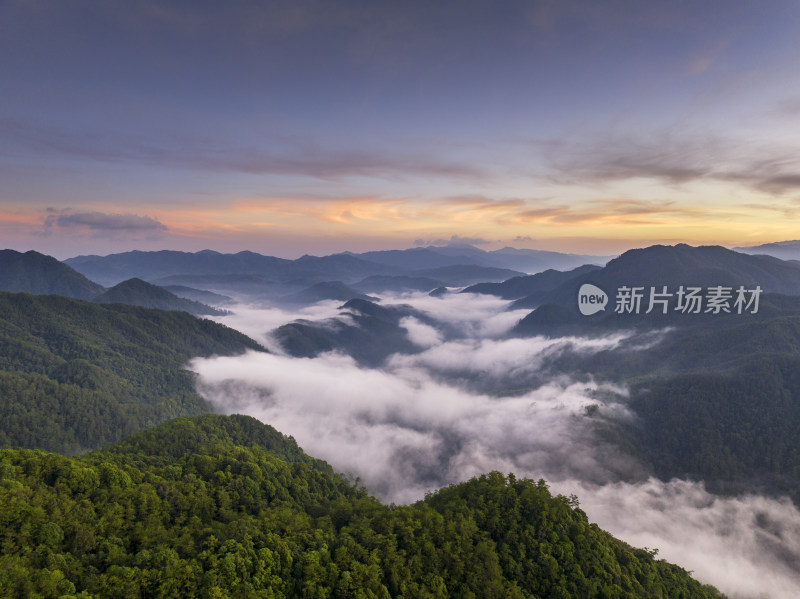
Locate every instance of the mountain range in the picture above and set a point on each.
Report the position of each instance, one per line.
(785, 250)
(38, 274)
(449, 265)
(671, 267)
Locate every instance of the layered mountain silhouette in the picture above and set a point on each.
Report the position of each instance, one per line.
(785, 250)
(347, 267)
(327, 290)
(38, 274)
(531, 285)
(398, 284)
(422, 258)
(199, 295)
(136, 292)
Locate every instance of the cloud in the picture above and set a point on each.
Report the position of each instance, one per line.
(674, 158)
(279, 155)
(481, 402)
(258, 321)
(789, 108)
(472, 315)
(747, 546)
(455, 240)
(99, 221)
(420, 333)
(402, 431)
(617, 211)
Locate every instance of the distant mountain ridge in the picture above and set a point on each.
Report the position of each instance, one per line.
(136, 292)
(680, 265)
(32, 272)
(523, 260)
(521, 287)
(346, 267)
(785, 250)
(39, 274)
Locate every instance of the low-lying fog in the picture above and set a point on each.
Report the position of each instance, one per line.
(421, 422)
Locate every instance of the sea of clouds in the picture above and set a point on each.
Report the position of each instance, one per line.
(429, 419)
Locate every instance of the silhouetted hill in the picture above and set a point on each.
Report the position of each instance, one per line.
(39, 274)
(255, 286)
(367, 331)
(328, 290)
(465, 274)
(158, 266)
(540, 283)
(526, 261)
(785, 250)
(534, 261)
(397, 283)
(659, 266)
(716, 396)
(703, 266)
(150, 266)
(199, 295)
(418, 258)
(135, 292)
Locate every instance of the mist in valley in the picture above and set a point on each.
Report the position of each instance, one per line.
(472, 399)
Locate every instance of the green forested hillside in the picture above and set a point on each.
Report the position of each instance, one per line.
(736, 431)
(717, 399)
(217, 506)
(76, 375)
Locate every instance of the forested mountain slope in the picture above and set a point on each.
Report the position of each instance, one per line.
(76, 375)
(32, 272)
(217, 506)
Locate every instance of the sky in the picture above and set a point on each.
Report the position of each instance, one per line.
(317, 127)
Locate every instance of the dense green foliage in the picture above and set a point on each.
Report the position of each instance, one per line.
(737, 431)
(717, 396)
(717, 401)
(76, 375)
(225, 507)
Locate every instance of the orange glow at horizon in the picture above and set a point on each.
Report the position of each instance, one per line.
(592, 223)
